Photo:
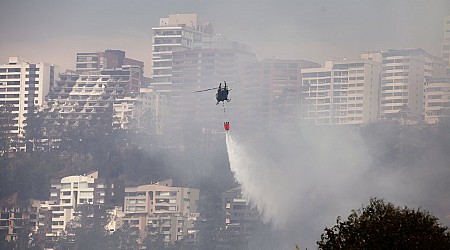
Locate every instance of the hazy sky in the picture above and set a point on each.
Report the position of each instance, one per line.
(317, 30)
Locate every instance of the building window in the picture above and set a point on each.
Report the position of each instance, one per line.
(161, 208)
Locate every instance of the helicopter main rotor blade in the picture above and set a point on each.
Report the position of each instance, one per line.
(204, 90)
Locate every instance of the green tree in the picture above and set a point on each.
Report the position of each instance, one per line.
(87, 230)
(22, 229)
(6, 125)
(6, 245)
(384, 226)
(34, 129)
(154, 239)
(125, 238)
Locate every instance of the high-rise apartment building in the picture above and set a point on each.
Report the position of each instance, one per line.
(162, 209)
(175, 33)
(437, 100)
(23, 87)
(342, 92)
(403, 78)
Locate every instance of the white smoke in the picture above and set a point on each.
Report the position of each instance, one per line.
(301, 182)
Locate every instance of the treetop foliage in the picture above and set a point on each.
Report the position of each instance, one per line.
(382, 225)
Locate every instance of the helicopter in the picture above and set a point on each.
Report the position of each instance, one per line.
(221, 96)
(222, 92)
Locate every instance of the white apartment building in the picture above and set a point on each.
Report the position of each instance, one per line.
(66, 194)
(437, 99)
(403, 77)
(160, 208)
(176, 32)
(70, 194)
(24, 85)
(342, 92)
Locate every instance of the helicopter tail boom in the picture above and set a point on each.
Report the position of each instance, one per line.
(203, 90)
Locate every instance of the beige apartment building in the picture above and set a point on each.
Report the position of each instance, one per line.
(342, 92)
(163, 210)
(403, 78)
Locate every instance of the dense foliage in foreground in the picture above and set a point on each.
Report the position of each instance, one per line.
(381, 225)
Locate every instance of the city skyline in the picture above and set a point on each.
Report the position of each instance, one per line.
(315, 31)
(296, 68)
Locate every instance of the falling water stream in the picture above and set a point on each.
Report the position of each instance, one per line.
(300, 183)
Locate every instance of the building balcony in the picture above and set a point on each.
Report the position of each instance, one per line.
(167, 36)
(155, 76)
(168, 45)
(159, 59)
(162, 67)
